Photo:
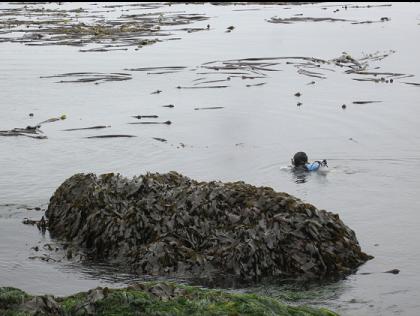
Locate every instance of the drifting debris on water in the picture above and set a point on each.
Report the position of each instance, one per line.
(166, 122)
(205, 87)
(163, 140)
(256, 84)
(95, 77)
(168, 68)
(53, 119)
(101, 50)
(44, 257)
(168, 224)
(413, 83)
(374, 73)
(251, 68)
(28, 208)
(383, 19)
(210, 108)
(144, 116)
(369, 6)
(31, 131)
(230, 29)
(311, 74)
(304, 19)
(42, 224)
(211, 81)
(111, 136)
(83, 27)
(365, 102)
(194, 29)
(86, 128)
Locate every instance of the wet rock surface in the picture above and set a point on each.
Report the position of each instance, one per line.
(169, 224)
(149, 298)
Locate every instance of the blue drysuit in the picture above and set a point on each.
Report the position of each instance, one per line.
(312, 166)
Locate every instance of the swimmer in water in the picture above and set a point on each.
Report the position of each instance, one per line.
(300, 162)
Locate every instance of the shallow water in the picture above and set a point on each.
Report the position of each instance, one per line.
(372, 149)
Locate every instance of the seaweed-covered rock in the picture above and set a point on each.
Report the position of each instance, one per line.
(168, 224)
(150, 299)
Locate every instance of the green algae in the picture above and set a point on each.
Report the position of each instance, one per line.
(151, 298)
(10, 296)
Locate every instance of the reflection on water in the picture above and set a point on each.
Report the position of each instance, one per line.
(300, 174)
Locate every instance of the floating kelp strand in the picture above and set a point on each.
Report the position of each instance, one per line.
(365, 102)
(87, 128)
(144, 116)
(111, 136)
(166, 122)
(174, 68)
(210, 108)
(83, 77)
(205, 87)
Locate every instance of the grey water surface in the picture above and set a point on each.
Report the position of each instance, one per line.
(373, 150)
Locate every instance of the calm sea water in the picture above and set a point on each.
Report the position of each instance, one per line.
(373, 150)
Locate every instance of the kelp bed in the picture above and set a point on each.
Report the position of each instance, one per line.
(363, 68)
(170, 225)
(36, 25)
(212, 74)
(148, 299)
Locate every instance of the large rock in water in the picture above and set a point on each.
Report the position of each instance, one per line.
(168, 224)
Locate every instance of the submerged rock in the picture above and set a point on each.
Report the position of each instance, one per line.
(149, 298)
(169, 224)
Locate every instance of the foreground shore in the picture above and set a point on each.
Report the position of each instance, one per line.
(149, 298)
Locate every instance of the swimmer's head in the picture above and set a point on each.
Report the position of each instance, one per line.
(299, 159)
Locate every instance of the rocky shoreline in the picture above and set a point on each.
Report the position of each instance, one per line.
(149, 298)
(171, 225)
